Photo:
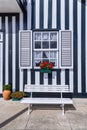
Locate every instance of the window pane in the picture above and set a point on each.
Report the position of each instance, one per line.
(45, 36)
(37, 62)
(53, 36)
(37, 54)
(37, 36)
(37, 45)
(54, 62)
(53, 54)
(45, 54)
(45, 44)
(53, 44)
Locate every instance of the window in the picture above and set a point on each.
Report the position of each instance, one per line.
(55, 47)
(45, 47)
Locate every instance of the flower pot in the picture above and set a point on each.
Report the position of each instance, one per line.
(45, 70)
(15, 99)
(6, 94)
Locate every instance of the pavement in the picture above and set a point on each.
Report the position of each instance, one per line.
(13, 116)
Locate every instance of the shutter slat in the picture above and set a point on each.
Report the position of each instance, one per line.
(25, 52)
(66, 49)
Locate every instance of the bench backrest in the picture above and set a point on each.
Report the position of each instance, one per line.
(47, 88)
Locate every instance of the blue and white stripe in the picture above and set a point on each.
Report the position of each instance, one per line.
(9, 26)
(66, 14)
(47, 15)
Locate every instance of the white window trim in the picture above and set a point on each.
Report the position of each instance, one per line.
(57, 49)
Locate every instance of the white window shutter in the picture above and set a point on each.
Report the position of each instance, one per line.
(65, 49)
(25, 49)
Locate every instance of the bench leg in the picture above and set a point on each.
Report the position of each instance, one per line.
(62, 109)
(29, 108)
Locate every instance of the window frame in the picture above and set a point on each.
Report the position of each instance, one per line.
(48, 49)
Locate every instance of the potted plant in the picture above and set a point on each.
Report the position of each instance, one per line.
(17, 95)
(6, 91)
(46, 67)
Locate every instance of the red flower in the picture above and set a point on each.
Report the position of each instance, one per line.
(50, 66)
(46, 65)
(42, 65)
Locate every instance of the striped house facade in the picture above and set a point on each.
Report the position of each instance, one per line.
(45, 16)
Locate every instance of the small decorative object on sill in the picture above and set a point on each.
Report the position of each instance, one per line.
(46, 67)
(16, 96)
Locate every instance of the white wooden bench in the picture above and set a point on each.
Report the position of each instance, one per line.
(47, 89)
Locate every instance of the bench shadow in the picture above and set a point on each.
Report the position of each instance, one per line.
(12, 118)
(52, 107)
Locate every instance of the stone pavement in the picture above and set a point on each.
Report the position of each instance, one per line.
(13, 116)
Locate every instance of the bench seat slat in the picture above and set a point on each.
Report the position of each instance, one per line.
(46, 88)
(35, 90)
(47, 100)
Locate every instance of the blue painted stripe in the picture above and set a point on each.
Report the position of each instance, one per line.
(67, 76)
(24, 71)
(66, 14)
(17, 52)
(83, 2)
(58, 15)
(58, 76)
(41, 13)
(75, 45)
(10, 48)
(67, 27)
(49, 14)
(50, 78)
(32, 76)
(24, 77)
(41, 78)
(25, 21)
(3, 29)
(83, 47)
(33, 14)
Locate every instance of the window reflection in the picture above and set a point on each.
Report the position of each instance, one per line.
(45, 54)
(53, 54)
(45, 36)
(53, 44)
(45, 45)
(37, 45)
(37, 54)
(37, 36)
(53, 36)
